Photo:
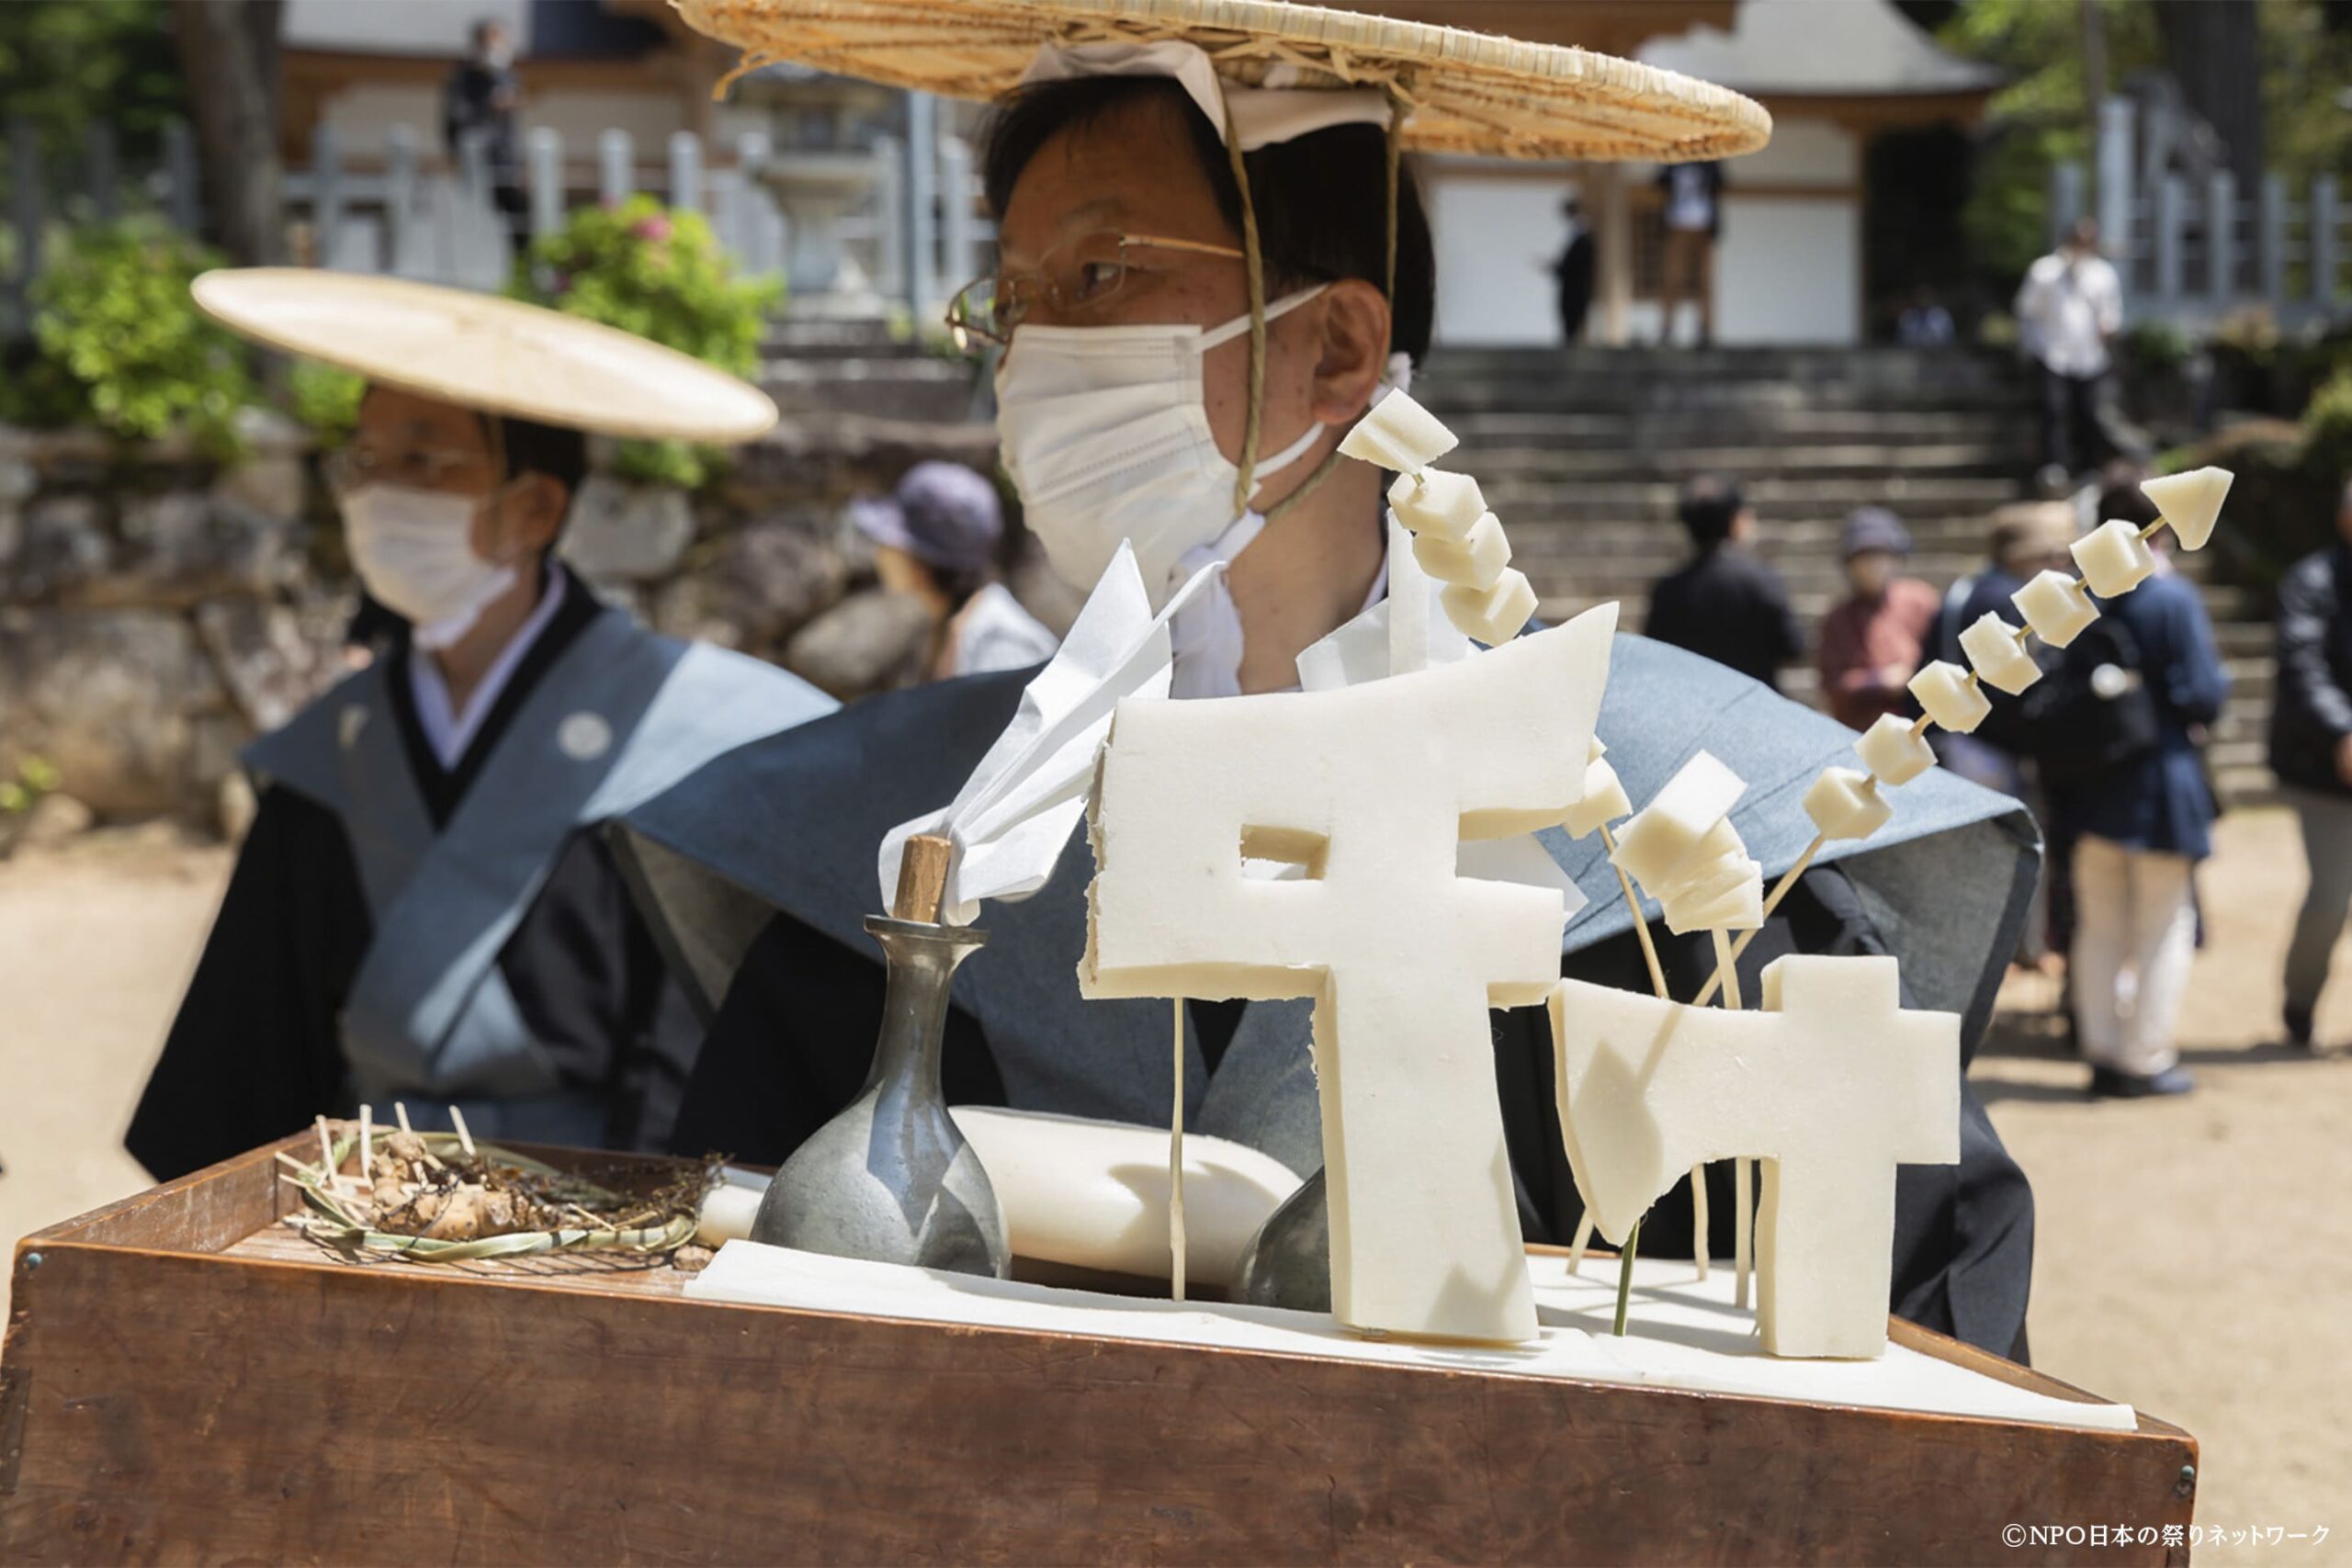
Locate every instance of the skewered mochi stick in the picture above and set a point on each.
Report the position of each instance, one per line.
(1475, 560)
(1844, 804)
(2056, 606)
(1997, 651)
(1950, 696)
(1437, 503)
(1604, 798)
(2114, 558)
(1398, 434)
(1670, 828)
(1494, 615)
(2189, 502)
(1894, 752)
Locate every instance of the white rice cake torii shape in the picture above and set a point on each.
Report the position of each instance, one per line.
(1371, 787)
(1832, 1085)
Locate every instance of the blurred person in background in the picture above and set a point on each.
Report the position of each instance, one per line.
(1572, 273)
(2310, 750)
(2025, 539)
(426, 908)
(936, 536)
(1924, 322)
(482, 101)
(1874, 641)
(2069, 308)
(1693, 217)
(2123, 717)
(1725, 604)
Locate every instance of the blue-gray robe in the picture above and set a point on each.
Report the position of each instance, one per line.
(771, 851)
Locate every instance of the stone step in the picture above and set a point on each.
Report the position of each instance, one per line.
(1525, 503)
(1744, 462)
(1589, 395)
(1873, 366)
(1482, 430)
(920, 388)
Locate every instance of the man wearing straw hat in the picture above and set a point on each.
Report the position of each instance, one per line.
(424, 910)
(1211, 265)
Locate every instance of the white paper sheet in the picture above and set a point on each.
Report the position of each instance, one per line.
(1685, 1334)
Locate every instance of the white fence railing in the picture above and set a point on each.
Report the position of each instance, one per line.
(854, 232)
(2192, 254)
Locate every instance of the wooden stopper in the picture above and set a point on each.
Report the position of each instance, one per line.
(922, 878)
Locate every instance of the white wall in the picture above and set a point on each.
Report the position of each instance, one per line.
(1788, 270)
(1496, 236)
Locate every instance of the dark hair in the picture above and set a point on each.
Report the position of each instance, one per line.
(1709, 503)
(531, 448)
(1321, 199)
(2120, 495)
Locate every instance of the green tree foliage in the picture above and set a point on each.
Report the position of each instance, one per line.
(121, 345)
(662, 275)
(67, 64)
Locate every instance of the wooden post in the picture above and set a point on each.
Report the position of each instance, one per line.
(2067, 202)
(2171, 216)
(2322, 225)
(183, 194)
(2272, 238)
(685, 171)
(26, 213)
(1614, 265)
(545, 155)
(918, 195)
(2221, 238)
(2115, 130)
(887, 206)
(400, 196)
(963, 262)
(615, 166)
(326, 194)
(104, 170)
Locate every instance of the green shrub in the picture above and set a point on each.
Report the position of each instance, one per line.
(662, 275)
(122, 346)
(325, 399)
(2157, 345)
(2327, 429)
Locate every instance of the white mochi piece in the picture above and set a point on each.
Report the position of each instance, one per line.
(2056, 606)
(1950, 698)
(1844, 804)
(1474, 561)
(1604, 801)
(1832, 1085)
(1398, 433)
(1495, 614)
(2114, 558)
(1370, 788)
(2000, 655)
(2191, 502)
(1668, 830)
(1725, 893)
(1889, 750)
(1436, 503)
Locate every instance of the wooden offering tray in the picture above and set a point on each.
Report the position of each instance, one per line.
(187, 1380)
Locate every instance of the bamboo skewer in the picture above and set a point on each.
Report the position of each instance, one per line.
(1176, 1247)
(1657, 982)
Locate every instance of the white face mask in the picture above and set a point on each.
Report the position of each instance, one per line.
(1106, 432)
(414, 551)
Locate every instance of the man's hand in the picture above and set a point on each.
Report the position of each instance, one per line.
(2343, 758)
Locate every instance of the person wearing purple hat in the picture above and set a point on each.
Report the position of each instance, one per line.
(936, 536)
(1874, 642)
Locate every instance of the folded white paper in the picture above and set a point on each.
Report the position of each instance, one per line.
(1013, 816)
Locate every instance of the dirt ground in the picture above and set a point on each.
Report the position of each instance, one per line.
(2195, 1255)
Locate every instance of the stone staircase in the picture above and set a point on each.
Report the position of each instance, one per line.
(1581, 454)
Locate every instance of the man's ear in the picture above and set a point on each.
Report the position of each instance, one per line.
(531, 511)
(1354, 350)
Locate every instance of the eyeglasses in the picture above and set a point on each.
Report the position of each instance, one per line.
(361, 463)
(1076, 277)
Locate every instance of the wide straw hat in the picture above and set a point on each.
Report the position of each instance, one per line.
(1467, 92)
(501, 357)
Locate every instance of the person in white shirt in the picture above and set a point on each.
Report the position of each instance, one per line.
(2068, 308)
(936, 536)
(1693, 194)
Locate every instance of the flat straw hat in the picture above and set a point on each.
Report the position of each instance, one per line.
(477, 351)
(1467, 92)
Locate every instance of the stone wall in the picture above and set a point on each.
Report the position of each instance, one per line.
(156, 610)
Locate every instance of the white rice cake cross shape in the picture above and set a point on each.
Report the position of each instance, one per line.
(1370, 788)
(1832, 1086)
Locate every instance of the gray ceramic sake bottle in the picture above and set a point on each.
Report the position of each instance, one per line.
(891, 1178)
